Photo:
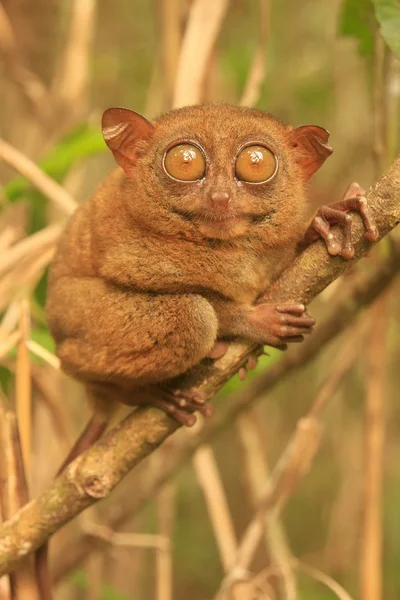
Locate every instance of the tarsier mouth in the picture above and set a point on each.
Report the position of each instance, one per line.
(226, 217)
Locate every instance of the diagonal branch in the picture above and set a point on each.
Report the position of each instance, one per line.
(123, 447)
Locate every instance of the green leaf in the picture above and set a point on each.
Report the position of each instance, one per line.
(388, 15)
(357, 20)
(82, 143)
(5, 378)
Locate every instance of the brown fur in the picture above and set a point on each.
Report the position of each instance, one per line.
(146, 276)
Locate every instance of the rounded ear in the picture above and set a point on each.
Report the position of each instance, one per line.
(122, 130)
(310, 147)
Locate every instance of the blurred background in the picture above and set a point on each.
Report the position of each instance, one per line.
(62, 63)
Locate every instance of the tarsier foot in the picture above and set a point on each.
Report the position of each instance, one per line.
(182, 404)
(283, 323)
(219, 350)
(338, 213)
(250, 365)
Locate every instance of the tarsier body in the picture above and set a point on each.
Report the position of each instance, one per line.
(177, 247)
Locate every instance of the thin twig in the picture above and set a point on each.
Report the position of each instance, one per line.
(293, 464)
(256, 77)
(50, 358)
(13, 496)
(24, 276)
(30, 85)
(165, 504)
(9, 320)
(9, 343)
(23, 385)
(217, 505)
(58, 413)
(70, 84)
(330, 583)
(170, 43)
(257, 472)
(38, 178)
(38, 242)
(372, 538)
(204, 23)
(129, 540)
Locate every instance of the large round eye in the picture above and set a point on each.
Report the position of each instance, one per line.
(185, 162)
(255, 164)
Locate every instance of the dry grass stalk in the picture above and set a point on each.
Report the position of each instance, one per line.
(371, 544)
(204, 23)
(132, 540)
(70, 85)
(9, 320)
(257, 473)
(38, 178)
(9, 343)
(59, 414)
(13, 495)
(50, 358)
(292, 466)
(165, 504)
(330, 583)
(30, 247)
(95, 567)
(210, 482)
(31, 86)
(13, 223)
(171, 16)
(256, 77)
(23, 385)
(24, 276)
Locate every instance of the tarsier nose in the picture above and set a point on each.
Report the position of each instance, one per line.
(221, 199)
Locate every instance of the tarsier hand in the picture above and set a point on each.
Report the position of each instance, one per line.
(282, 324)
(338, 213)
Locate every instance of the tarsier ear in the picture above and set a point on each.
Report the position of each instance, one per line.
(123, 129)
(311, 148)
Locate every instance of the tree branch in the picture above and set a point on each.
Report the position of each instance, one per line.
(83, 483)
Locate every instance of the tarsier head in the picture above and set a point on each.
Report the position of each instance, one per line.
(217, 170)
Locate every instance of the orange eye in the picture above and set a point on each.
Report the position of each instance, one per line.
(185, 162)
(255, 164)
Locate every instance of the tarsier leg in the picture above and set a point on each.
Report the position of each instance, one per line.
(151, 339)
(338, 213)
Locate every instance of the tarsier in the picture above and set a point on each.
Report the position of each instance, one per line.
(172, 256)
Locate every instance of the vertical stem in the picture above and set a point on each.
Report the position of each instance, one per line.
(165, 515)
(13, 495)
(379, 106)
(371, 549)
(257, 473)
(210, 481)
(171, 13)
(23, 385)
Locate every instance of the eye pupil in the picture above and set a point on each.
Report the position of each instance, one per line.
(185, 162)
(255, 164)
